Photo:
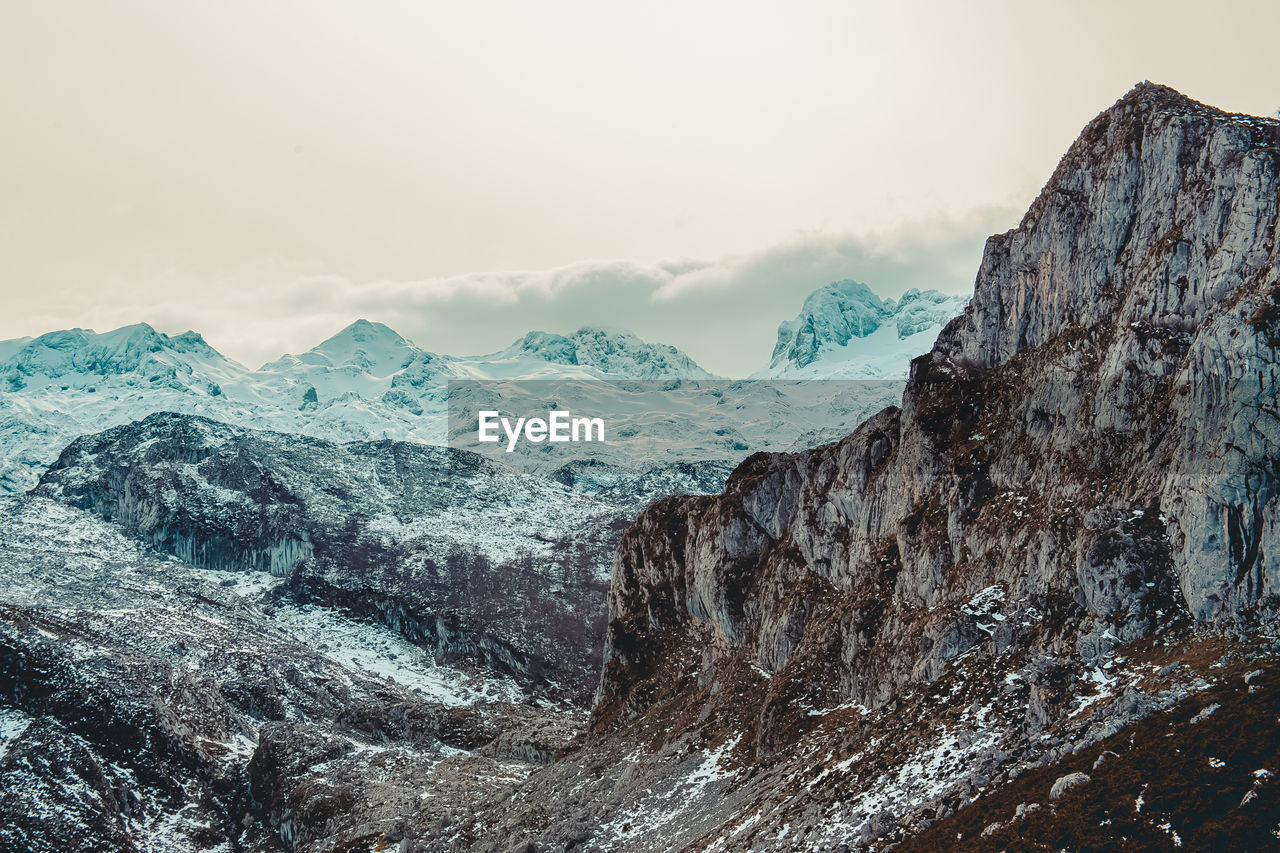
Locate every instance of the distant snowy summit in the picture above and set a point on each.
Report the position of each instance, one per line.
(82, 359)
(610, 351)
(366, 360)
(845, 331)
(371, 360)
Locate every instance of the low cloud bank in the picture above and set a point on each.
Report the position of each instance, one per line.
(724, 312)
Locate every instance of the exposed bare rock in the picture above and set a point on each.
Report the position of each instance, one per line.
(1096, 435)
(1065, 783)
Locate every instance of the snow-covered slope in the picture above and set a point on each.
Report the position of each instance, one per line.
(8, 348)
(845, 331)
(370, 359)
(362, 359)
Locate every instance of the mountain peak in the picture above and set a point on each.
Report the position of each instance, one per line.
(1151, 94)
(367, 331)
(844, 330)
(548, 346)
(365, 346)
(1118, 136)
(591, 330)
(83, 357)
(832, 315)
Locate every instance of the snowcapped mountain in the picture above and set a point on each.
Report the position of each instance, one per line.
(364, 379)
(370, 362)
(845, 331)
(367, 354)
(364, 383)
(64, 384)
(359, 359)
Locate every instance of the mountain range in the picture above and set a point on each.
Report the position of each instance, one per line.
(313, 492)
(1031, 604)
(367, 382)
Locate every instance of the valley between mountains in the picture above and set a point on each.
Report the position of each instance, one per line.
(1011, 584)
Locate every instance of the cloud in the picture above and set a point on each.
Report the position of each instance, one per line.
(724, 311)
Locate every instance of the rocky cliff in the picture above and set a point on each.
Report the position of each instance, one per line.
(1082, 473)
(1097, 435)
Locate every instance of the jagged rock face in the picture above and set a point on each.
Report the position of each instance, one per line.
(1095, 438)
(1017, 565)
(1166, 244)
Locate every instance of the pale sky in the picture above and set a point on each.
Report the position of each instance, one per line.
(267, 172)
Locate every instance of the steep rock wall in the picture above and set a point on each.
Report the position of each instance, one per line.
(1093, 443)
